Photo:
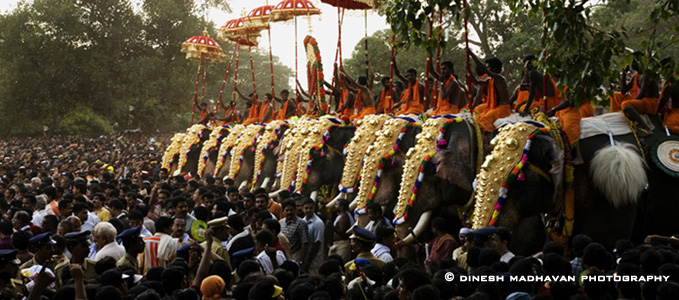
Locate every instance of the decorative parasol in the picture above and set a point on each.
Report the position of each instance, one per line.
(235, 30)
(290, 9)
(206, 49)
(351, 4)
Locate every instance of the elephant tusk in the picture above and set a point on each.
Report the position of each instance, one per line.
(333, 201)
(274, 194)
(242, 185)
(314, 195)
(265, 182)
(353, 204)
(419, 228)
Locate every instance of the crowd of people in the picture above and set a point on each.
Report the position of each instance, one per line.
(99, 219)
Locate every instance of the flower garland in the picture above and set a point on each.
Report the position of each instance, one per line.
(315, 65)
(419, 158)
(245, 142)
(227, 145)
(506, 161)
(377, 154)
(267, 141)
(213, 142)
(292, 143)
(193, 137)
(354, 151)
(173, 149)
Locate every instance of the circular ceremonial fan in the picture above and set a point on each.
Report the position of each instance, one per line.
(198, 229)
(665, 155)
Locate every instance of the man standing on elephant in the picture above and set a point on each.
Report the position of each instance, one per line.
(253, 115)
(496, 92)
(644, 103)
(364, 102)
(412, 101)
(451, 96)
(539, 86)
(628, 90)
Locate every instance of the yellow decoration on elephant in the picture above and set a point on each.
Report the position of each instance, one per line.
(192, 137)
(506, 154)
(210, 144)
(425, 147)
(313, 138)
(269, 135)
(173, 149)
(355, 150)
(292, 144)
(246, 139)
(386, 140)
(226, 146)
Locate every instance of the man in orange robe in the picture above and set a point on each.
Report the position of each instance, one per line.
(452, 96)
(497, 93)
(363, 102)
(265, 110)
(288, 106)
(541, 87)
(645, 103)
(253, 116)
(386, 101)
(628, 90)
(412, 99)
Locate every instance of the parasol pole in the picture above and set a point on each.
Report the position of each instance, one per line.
(296, 92)
(465, 9)
(365, 18)
(195, 94)
(427, 70)
(202, 96)
(273, 91)
(221, 91)
(391, 75)
(252, 71)
(338, 51)
(438, 53)
(235, 81)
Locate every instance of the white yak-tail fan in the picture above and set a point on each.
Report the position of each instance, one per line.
(619, 173)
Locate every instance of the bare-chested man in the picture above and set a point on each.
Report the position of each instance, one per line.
(364, 102)
(452, 95)
(494, 86)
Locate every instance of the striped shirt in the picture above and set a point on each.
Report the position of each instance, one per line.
(160, 250)
(296, 231)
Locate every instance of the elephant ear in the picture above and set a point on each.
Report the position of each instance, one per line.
(454, 165)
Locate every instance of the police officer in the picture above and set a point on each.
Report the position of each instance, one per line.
(362, 241)
(220, 229)
(10, 287)
(134, 245)
(78, 243)
(44, 249)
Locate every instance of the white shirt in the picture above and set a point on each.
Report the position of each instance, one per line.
(382, 252)
(92, 220)
(265, 261)
(507, 257)
(37, 218)
(111, 249)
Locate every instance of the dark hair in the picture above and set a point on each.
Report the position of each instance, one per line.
(262, 289)
(374, 206)
(382, 232)
(171, 279)
(136, 214)
(109, 293)
(247, 267)
(112, 277)
(528, 58)
(495, 64)
(31, 198)
(264, 238)
(273, 225)
(504, 234)
(201, 213)
(413, 278)
(412, 71)
(5, 227)
(439, 223)
(580, 241)
(115, 203)
(426, 292)
(449, 64)
(163, 223)
(20, 239)
(105, 264)
(362, 80)
(288, 202)
(308, 200)
(595, 255)
(236, 222)
(64, 203)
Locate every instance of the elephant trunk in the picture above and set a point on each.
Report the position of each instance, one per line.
(419, 228)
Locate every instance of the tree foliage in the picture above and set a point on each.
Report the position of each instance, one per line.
(89, 67)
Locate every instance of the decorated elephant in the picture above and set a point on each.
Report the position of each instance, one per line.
(223, 161)
(266, 154)
(383, 166)
(641, 200)
(196, 135)
(435, 185)
(208, 154)
(171, 155)
(242, 163)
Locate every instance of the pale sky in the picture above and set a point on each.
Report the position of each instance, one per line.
(324, 29)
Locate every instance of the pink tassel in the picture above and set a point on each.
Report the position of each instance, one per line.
(521, 177)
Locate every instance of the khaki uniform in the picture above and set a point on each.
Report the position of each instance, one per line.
(87, 266)
(130, 261)
(218, 249)
(367, 255)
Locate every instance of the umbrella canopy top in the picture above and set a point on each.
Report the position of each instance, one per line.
(237, 31)
(351, 4)
(202, 46)
(288, 9)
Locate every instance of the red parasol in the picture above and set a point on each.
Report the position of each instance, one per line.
(236, 31)
(288, 9)
(206, 49)
(351, 4)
